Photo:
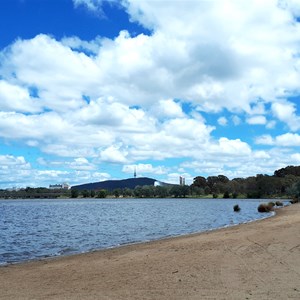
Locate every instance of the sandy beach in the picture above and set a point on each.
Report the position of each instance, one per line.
(259, 260)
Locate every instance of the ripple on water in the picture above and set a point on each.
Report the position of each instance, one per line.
(43, 228)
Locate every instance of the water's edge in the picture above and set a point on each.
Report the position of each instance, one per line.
(167, 237)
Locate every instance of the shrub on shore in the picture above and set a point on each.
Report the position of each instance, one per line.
(294, 200)
(265, 207)
(236, 208)
(226, 195)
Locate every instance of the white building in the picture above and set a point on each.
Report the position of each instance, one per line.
(64, 186)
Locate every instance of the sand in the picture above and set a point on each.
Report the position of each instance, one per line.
(259, 260)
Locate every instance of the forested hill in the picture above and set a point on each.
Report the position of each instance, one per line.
(289, 170)
(111, 185)
(285, 181)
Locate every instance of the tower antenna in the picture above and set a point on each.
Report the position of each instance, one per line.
(134, 174)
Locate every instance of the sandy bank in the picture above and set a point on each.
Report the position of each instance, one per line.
(259, 260)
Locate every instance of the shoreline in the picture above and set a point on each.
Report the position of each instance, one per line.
(61, 256)
(255, 260)
(53, 257)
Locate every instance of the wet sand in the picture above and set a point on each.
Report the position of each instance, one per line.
(259, 260)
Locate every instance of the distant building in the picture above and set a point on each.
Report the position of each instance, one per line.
(63, 186)
(181, 180)
(13, 189)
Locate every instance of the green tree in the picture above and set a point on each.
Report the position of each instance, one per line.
(127, 192)
(197, 191)
(74, 193)
(199, 181)
(179, 191)
(161, 191)
(148, 191)
(85, 194)
(226, 195)
(212, 182)
(138, 192)
(117, 193)
(102, 194)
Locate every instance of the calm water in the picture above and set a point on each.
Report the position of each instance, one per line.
(34, 229)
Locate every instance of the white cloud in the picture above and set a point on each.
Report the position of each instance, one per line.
(75, 43)
(16, 98)
(258, 109)
(9, 160)
(284, 140)
(58, 73)
(236, 120)
(93, 5)
(116, 100)
(288, 140)
(256, 120)
(114, 154)
(82, 164)
(13, 169)
(232, 147)
(142, 169)
(271, 124)
(167, 109)
(264, 140)
(286, 112)
(295, 158)
(222, 121)
(261, 155)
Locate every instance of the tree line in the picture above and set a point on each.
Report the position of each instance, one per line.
(284, 182)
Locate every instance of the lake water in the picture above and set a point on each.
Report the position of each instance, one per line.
(35, 229)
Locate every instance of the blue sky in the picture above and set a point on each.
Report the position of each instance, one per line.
(91, 89)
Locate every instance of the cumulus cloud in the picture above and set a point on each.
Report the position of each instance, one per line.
(284, 140)
(256, 120)
(93, 5)
(286, 112)
(13, 169)
(167, 109)
(122, 100)
(75, 43)
(16, 98)
(222, 121)
(114, 154)
(264, 140)
(142, 169)
(236, 120)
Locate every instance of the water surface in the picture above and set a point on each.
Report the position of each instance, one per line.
(34, 229)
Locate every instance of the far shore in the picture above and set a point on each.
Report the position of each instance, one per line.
(258, 260)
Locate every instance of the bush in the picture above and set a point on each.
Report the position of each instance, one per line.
(226, 195)
(265, 207)
(215, 195)
(236, 208)
(102, 194)
(74, 193)
(294, 200)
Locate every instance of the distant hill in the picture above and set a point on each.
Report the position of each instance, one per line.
(110, 185)
(289, 170)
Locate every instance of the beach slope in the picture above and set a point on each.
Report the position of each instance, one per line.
(259, 260)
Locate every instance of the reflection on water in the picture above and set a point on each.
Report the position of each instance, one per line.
(33, 229)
